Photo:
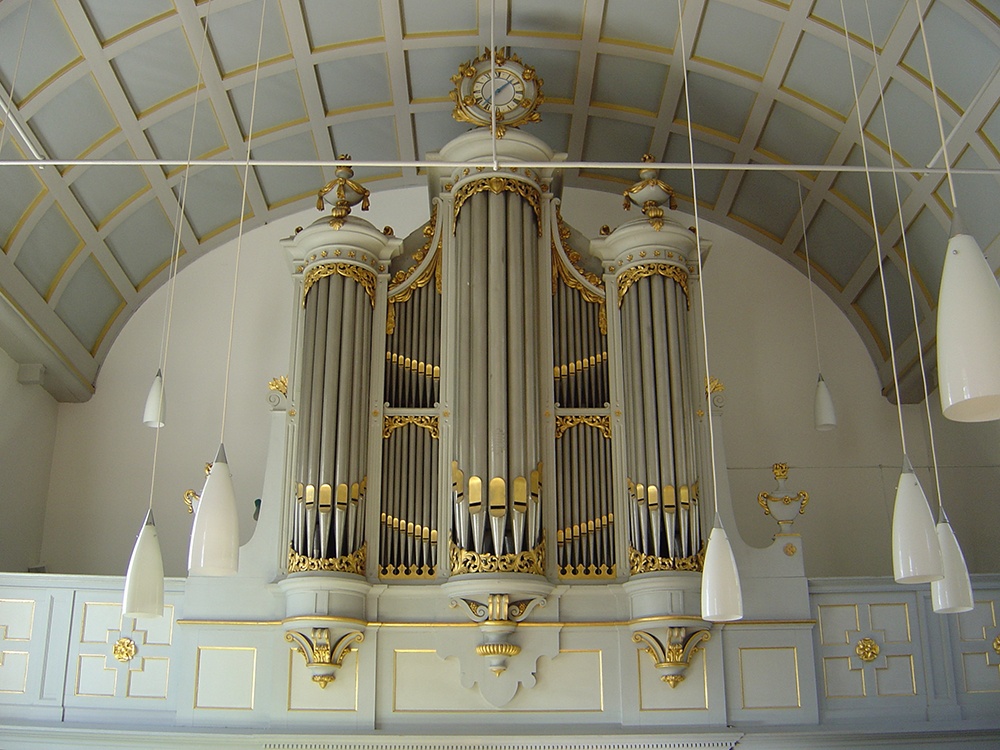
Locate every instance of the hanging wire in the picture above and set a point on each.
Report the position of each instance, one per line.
(812, 299)
(239, 235)
(937, 105)
(175, 250)
(493, 82)
(701, 279)
(909, 274)
(878, 241)
(13, 79)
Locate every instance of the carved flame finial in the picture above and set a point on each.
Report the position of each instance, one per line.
(346, 192)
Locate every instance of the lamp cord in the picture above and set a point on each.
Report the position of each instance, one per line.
(875, 230)
(812, 300)
(909, 274)
(701, 280)
(13, 80)
(937, 105)
(239, 235)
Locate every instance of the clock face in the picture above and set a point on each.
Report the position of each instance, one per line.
(503, 91)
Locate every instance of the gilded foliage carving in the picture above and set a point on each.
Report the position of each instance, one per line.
(631, 275)
(641, 563)
(348, 270)
(466, 561)
(391, 423)
(353, 563)
(499, 185)
(601, 422)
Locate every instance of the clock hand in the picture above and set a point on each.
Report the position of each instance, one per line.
(495, 91)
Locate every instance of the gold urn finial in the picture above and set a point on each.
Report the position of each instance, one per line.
(780, 471)
(347, 193)
(650, 194)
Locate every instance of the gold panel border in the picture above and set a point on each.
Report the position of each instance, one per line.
(597, 421)
(497, 185)
(631, 275)
(391, 423)
(348, 270)
(353, 563)
(466, 561)
(798, 686)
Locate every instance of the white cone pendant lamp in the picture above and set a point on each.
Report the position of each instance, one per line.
(721, 594)
(215, 536)
(916, 555)
(152, 415)
(953, 593)
(825, 416)
(968, 332)
(144, 579)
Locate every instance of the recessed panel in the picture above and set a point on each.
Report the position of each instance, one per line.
(562, 18)
(709, 180)
(558, 69)
(820, 73)
(84, 104)
(102, 190)
(234, 33)
(430, 70)
(837, 244)
(354, 82)
(326, 27)
(627, 83)
(717, 106)
(553, 129)
(884, 15)
(214, 198)
(373, 138)
(872, 305)
(926, 240)
(142, 241)
(853, 186)
(170, 136)
(912, 125)
(89, 304)
(157, 70)
(736, 38)
(840, 681)
(963, 56)
(19, 187)
(795, 137)
(112, 18)
(769, 677)
(50, 244)
(615, 140)
(645, 23)
(225, 677)
(434, 129)
(149, 679)
(438, 17)
(767, 201)
(283, 184)
(279, 103)
(46, 30)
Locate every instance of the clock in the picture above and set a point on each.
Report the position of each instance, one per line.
(505, 86)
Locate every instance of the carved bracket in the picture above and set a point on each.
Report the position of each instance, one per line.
(322, 658)
(497, 619)
(672, 658)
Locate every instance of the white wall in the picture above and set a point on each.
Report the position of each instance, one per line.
(761, 347)
(27, 431)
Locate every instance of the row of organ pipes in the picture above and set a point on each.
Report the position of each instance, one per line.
(482, 346)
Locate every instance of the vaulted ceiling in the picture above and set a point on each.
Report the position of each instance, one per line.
(770, 84)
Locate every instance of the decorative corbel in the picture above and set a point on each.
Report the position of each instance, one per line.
(497, 619)
(322, 659)
(673, 658)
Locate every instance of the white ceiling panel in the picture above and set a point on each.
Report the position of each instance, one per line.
(837, 244)
(884, 15)
(717, 106)
(284, 184)
(547, 17)
(214, 198)
(438, 17)
(372, 138)
(89, 304)
(354, 83)
(558, 69)
(434, 129)
(736, 38)
(639, 22)
(624, 83)
(48, 47)
(234, 33)
(49, 244)
(616, 140)
(279, 103)
(113, 18)
(820, 73)
(767, 201)
(157, 70)
(170, 136)
(795, 137)
(326, 27)
(912, 125)
(853, 187)
(92, 120)
(427, 68)
(926, 241)
(142, 242)
(709, 182)
(554, 130)
(103, 190)
(19, 187)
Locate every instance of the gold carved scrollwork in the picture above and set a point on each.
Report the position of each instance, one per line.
(867, 650)
(673, 657)
(713, 385)
(279, 384)
(642, 563)
(353, 563)
(124, 650)
(631, 275)
(466, 561)
(348, 270)
(600, 422)
(390, 423)
(499, 185)
(322, 657)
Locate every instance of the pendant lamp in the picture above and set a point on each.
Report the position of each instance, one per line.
(953, 593)
(721, 593)
(823, 413)
(916, 557)
(152, 415)
(144, 578)
(968, 332)
(215, 535)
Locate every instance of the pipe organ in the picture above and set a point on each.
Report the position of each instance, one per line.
(496, 393)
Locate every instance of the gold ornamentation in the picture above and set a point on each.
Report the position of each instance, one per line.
(475, 76)
(499, 185)
(642, 563)
(713, 385)
(322, 658)
(996, 645)
(466, 561)
(790, 549)
(631, 275)
(559, 271)
(395, 421)
(189, 497)
(498, 649)
(279, 384)
(400, 277)
(124, 650)
(348, 193)
(348, 270)
(352, 563)
(674, 657)
(587, 572)
(763, 498)
(867, 650)
(780, 471)
(600, 422)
